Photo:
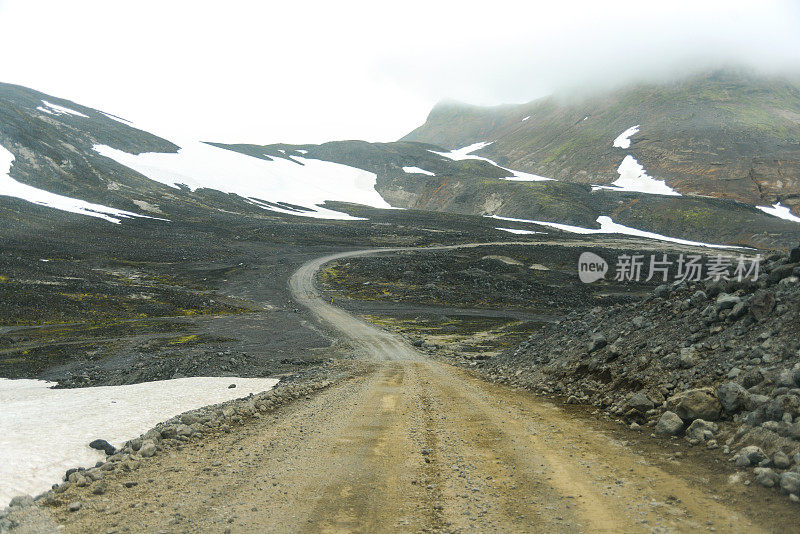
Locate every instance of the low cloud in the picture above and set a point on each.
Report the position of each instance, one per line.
(244, 71)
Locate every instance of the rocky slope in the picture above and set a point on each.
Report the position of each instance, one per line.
(476, 186)
(725, 134)
(716, 362)
(51, 140)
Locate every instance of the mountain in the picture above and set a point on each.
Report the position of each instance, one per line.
(726, 134)
(76, 159)
(84, 162)
(428, 177)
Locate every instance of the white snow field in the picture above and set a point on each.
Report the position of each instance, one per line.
(44, 432)
(12, 188)
(623, 140)
(417, 170)
(607, 226)
(301, 182)
(519, 232)
(55, 109)
(779, 210)
(633, 178)
(466, 153)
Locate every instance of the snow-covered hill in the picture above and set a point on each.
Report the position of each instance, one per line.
(76, 159)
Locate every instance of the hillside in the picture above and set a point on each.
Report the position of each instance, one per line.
(724, 134)
(82, 161)
(428, 177)
(76, 159)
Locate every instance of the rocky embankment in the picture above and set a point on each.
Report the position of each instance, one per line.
(716, 363)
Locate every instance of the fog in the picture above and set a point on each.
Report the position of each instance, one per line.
(261, 72)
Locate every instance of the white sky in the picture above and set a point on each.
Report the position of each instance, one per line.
(313, 71)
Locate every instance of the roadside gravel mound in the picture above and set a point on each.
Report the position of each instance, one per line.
(716, 362)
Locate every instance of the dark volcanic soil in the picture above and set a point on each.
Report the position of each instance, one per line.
(92, 303)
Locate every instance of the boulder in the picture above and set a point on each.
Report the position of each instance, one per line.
(147, 449)
(781, 272)
(103, 445)
(726, 302)
(785, 378)
(21, 501)
(781, 460)
(766, 476)
(669, 424)
(784, 403)
(184, 430)
(640, 402)
(694, 404)
(698, 297)
(189, 418)
(732, 396)
(762, 304)
(701, 430)
(750, 455)
(790, 482)
(794, 255)
(750, 378)
(597, 342)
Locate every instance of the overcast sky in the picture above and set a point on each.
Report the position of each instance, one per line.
(265, 72)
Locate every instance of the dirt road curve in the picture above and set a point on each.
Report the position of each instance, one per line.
(411, 445)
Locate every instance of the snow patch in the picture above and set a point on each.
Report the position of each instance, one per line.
(44, 432)
(466, 153)
(271, 185)
(520, 176)
(11, 188)
(623, 140)
(778, 210)
(633, 178)
(55, 109)
(607, 226)
(417, 170)
(518, 231)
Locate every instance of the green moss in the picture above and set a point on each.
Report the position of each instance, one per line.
(191, 338)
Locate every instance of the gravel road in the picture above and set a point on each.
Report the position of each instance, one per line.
(410, 445)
